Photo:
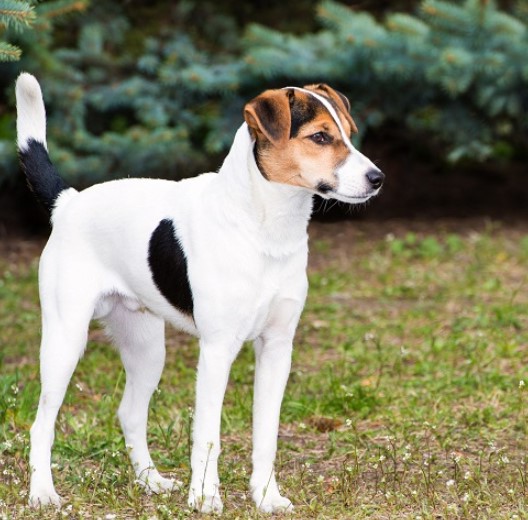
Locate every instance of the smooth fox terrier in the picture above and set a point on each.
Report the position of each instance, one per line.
(222, 256)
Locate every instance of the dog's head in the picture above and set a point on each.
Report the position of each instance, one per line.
(302, 138)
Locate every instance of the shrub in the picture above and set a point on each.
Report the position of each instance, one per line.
(156, 99)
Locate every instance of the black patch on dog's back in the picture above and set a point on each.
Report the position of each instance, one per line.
(168, 266)
(42, 177)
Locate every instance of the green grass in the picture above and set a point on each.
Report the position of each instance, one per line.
(406, 398)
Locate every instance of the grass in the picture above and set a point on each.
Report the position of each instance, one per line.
(407, 397)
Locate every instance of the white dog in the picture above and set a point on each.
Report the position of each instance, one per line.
(222, 256)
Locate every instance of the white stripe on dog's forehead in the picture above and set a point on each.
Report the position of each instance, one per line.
(332, 112)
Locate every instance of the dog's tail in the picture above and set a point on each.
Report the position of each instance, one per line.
(42, 177)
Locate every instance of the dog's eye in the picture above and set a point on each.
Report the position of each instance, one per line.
(321, 138)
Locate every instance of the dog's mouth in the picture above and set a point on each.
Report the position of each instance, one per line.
(350, 199)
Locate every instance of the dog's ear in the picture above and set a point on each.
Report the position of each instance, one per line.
(270, 115)
(338, 98)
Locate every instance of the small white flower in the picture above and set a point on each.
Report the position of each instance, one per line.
(467, 475)
(465, 497)
(505, 459)
(110, 516)
(521, 383)
(382, 458)
(450, 483)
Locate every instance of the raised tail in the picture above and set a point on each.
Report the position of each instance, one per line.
(42, 177)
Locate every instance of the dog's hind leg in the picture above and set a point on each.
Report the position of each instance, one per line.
(140, 338)
(65, 324)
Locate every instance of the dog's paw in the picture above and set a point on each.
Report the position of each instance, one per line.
(205, 503)
(43, 498)
(157, 484)
(273, 503)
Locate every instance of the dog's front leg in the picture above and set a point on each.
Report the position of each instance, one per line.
(273, 361)
(213, 372)
(273, 351)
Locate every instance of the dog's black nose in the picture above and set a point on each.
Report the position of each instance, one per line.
(375, 177)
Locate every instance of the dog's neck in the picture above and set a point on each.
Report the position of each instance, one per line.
(279, 212)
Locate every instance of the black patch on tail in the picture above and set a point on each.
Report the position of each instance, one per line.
(168, 266)
(42, 177)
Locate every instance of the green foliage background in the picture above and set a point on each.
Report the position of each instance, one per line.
(158, 90)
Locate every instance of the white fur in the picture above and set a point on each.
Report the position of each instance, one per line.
(31, 120)
(245, 240)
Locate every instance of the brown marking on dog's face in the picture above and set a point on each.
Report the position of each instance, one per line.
(268, 116)
(298, 142)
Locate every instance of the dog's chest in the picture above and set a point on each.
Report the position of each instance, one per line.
(265, 297)
(242, 296)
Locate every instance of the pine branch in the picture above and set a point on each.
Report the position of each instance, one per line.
(16, 13)
(9, 52)
(51, 10)
(407, 25)
(331, 14)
